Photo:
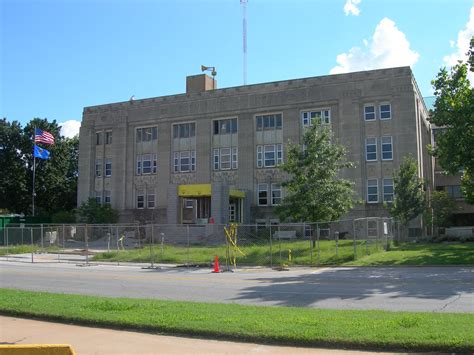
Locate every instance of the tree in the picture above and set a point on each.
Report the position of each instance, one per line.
(314, 191)
(13, 173)
(93, 212)
(409, 196)
(443, 207)
(454, 113)
(56, 178)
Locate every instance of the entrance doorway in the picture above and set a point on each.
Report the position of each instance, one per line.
(196, 210)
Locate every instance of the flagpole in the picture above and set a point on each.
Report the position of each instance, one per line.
(34, 171)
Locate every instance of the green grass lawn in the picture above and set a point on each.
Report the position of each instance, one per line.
(22, 249)
(421, 254)
(302, 253)
(371, 254)
(283, 325)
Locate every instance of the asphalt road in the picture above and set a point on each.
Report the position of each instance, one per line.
(431, 289)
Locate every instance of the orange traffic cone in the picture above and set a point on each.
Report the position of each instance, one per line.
(216, 264)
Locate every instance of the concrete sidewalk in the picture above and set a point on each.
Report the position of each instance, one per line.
(87, 340)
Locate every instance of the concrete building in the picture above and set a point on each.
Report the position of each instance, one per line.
(213, 154)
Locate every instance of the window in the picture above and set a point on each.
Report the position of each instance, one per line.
(98, 197)
(454, 191)
(387, 149)
(184, 162)
(140, 198)
(150, 199)
(372, 228)
(276, 194)
(147, 134)
(225, 158)
(235, 157)
(269, 122)
(372, 191)
(371, 149)
(184, 130)
(108, 137)
(385, 112)
(225, 126)
(369, 112)
(263, 194)
(269, 155)
(98, 138)
(388, 190)
(216, 159)
(146, 164)
(322, 115)
(98, 167)
(108, 166)
(107, 197)
(279, 148)
(259, 156)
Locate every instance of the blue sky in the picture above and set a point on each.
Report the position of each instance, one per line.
(58, 56)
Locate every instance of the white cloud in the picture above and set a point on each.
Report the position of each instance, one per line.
(388, 47)
(70, 128)
(350, 7)
(462, 45)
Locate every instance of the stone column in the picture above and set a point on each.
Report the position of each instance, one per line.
(172, 211)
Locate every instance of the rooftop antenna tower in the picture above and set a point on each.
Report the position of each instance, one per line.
(243, 3)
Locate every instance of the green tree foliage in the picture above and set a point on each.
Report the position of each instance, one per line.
(409, 197)
(454, 112)
(14, 180)
(93, 212)
(56, 178)
(442, 206)
(313, 189)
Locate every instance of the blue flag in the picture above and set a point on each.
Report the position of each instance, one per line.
(41, 153)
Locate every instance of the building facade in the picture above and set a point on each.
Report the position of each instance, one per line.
(212, 155)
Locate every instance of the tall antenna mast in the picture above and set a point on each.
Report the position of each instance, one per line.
(244, 36)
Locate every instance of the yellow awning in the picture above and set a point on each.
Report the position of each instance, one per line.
(236, 193)
(194, 190)
(197, 190)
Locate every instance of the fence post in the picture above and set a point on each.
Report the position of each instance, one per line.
(377, 235)
(152, 255)
(6, 239)
(271, 249)
(366, 236)
(162, 235)
(32, 248)
(279, 243)
(354, 237)
(87, 245)
(117, 241)
(187, 250)
(336, 237)
(22, 229)
(317, 241)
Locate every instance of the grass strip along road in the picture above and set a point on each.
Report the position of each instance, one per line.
(282, 325)
(403, 254)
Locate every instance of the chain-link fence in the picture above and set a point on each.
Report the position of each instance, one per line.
(260, 244)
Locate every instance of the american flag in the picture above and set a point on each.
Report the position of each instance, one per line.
(43, 137)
